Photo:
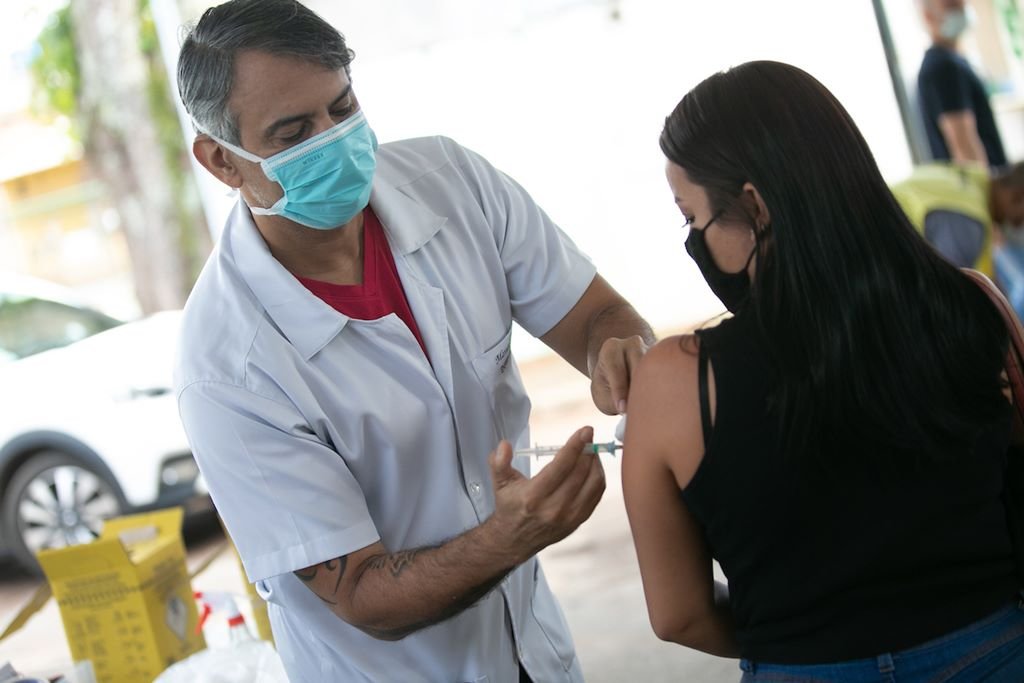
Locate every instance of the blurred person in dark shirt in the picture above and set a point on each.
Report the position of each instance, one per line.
(957, 115)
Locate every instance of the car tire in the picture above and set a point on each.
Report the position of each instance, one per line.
(54, 500)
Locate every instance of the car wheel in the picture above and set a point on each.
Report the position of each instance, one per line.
(53, 501)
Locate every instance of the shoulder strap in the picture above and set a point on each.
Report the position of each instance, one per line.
(1015, 354)
(702, 388)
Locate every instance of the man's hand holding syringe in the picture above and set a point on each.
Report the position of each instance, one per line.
(611, 447)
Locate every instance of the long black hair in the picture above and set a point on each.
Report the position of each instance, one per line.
(876, 339)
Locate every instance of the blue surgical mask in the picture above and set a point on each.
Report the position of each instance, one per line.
(954, 24)
(326, 179)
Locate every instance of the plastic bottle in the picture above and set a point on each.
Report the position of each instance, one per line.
(233, 657)
(224, 605)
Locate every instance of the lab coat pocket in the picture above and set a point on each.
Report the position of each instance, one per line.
(498, 374)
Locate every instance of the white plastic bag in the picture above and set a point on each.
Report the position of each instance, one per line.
(240, 659)
(254, 661)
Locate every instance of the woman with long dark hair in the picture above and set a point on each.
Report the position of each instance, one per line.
(839, 443)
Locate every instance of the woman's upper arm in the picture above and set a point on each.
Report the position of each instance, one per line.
(663, 448)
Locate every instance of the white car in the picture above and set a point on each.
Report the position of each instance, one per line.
(89, 426)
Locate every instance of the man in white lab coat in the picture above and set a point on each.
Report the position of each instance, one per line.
(346, 374)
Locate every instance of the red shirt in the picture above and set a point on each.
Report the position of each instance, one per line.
(380, 293)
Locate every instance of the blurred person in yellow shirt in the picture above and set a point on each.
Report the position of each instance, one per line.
(970, 215)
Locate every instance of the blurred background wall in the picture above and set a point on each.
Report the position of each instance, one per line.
(97, 190)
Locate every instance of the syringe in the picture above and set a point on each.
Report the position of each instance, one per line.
(540, 451)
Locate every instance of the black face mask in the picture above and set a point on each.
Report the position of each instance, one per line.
(732, 289)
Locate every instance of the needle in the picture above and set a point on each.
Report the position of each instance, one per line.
(538, 451)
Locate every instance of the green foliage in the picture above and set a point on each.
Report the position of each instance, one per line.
(55, 68)
(1010, 14)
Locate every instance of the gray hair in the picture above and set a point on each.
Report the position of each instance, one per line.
(278, 27)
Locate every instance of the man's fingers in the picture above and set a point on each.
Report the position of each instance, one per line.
(635, 350)
(500, 460)
(617, 371)
(568, 489)
(556, 471)
(601, 395)
(616, 363)
(632, 352)
(591, 492)
(582, 496)
(606, 382)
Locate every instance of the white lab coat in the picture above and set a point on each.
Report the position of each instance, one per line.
(318, 434)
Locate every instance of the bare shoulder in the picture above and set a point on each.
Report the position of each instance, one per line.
(668, 363)
(664, 414)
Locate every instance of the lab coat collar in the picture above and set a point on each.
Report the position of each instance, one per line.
(301, 316)
(409, 224)
(307, 321)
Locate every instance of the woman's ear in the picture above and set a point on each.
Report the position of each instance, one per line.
(755, 207)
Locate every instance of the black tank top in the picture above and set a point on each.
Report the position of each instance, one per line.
(851, 564)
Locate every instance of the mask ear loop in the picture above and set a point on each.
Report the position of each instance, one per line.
(760, 249)
(231, 192)
(756, 232)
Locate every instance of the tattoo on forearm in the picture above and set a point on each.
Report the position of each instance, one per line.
(307, 574)
(398, 632)
(458, 605)
(341, 562)
(396, 563)
(337, 565)
(387, 568)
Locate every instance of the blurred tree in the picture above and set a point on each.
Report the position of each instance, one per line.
(99, 64)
